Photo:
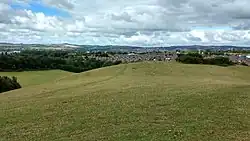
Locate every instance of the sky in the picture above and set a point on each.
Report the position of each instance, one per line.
(126, 22)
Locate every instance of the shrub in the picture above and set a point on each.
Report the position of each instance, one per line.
(221, 61)
(8, 84)
(191, 58)
(244, 64)
(198, 59)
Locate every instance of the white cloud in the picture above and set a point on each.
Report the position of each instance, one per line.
(130, 22)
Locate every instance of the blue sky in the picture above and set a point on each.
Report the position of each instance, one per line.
(36, 6)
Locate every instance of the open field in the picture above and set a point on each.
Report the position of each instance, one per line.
(29, 78)
(141, 101)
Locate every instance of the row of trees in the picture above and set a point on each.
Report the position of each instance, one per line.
(7, 84)
(46, 60)
(195, 58)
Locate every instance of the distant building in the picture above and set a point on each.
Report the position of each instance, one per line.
(130, 54)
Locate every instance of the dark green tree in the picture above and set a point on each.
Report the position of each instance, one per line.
(7, 84)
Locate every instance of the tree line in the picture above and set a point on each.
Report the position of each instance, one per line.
(7, 84)
(46, 60)
(195, 58)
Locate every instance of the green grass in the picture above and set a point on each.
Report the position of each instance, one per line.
(29, 78)
(141, 101)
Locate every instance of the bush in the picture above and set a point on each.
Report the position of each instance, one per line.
(189, 59)
(198, 59)
(220, 61)
(244, 64)
(8, 84)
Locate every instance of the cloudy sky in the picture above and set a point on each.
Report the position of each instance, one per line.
(126, 22)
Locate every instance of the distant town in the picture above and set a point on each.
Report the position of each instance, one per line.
(135, 54)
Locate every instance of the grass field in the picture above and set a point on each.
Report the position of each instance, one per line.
(141, 101)
(30, 78)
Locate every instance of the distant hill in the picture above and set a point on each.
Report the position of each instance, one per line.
(147, 49)
(117, 48)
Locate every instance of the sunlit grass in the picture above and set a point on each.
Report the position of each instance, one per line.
(28, 78)
(141, 101)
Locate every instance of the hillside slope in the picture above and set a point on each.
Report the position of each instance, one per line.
(140, 101)
(30, 78)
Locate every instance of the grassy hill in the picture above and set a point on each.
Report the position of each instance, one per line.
(30, 78)
(140, 101)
